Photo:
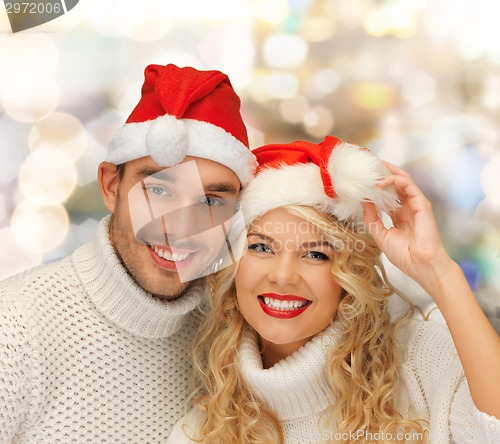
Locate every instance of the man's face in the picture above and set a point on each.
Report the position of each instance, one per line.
(166, 222)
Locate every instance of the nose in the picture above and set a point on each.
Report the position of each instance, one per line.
(284, 270)
(181, 223)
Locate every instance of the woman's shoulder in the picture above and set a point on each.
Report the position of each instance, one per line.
(428, 346)
(423, 326)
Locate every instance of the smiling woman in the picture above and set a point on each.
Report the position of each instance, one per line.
(292, 260)
(284, 284)
(299, 347)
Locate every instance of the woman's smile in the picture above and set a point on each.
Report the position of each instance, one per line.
(284, 284)
(283, 306)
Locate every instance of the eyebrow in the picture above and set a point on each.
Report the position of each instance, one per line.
(159, 174)
(216, 187)
(262, 236)
(315, 244)
(306, 244)
(222, 187)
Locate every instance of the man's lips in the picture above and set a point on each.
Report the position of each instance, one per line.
(283, 306)
(170, 259)
(166, 252)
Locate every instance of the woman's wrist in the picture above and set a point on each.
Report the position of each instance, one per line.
(438, 275)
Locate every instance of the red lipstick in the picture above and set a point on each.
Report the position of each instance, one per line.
(283, 313)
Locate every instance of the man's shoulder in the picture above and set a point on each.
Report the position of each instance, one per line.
(29, 283)
(49, 270)
(33, 273)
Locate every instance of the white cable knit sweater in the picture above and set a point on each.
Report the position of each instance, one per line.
(433, 387)
(86, 356)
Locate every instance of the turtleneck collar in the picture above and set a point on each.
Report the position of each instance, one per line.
(121, 300)
(295, 386)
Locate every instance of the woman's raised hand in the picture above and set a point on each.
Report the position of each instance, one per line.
(413, 244)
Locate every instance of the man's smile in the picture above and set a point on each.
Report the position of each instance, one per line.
(167, 259)
(170, 255)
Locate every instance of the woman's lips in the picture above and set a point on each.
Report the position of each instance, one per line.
(283, 306)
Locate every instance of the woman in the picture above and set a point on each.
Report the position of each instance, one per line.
(299, 346)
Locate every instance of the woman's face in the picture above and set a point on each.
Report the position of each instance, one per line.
(284, 285)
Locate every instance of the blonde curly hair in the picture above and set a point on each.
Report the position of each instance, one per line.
(361, 369)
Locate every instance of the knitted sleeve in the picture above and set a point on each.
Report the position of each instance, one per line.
(186, 429)
(467, 423)
(15, 364)
(453, 415)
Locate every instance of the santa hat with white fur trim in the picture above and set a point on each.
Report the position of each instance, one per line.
(333, 176)
(185, 112)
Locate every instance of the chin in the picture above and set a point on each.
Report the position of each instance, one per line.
(280, 338)
(170, 296)
(163, 288)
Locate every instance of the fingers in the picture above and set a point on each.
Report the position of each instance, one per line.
(401, 183)
(400, 179)
(394, 169)
(373, 223)
(406, 189)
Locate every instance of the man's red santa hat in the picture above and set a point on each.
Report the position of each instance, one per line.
(333, 176)
(185, 112)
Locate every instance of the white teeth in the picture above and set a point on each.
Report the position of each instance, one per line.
(281, 305)
(165, 254)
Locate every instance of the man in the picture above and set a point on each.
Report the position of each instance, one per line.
(95, 348)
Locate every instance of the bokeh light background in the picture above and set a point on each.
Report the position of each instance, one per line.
(416, 81)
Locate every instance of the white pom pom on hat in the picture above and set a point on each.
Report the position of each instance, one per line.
(168, 141)
(185, 112)
(332, 176)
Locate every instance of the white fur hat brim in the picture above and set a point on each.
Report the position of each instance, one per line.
(168, 140)
(354, 172)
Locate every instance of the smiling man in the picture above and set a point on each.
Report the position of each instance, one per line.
(95, 348)
(167, 223)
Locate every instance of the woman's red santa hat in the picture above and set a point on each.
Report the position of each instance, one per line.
(333, 176)
(185, 112)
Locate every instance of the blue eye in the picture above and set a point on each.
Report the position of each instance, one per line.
(316, 255)
(259, 248)
(212, 201)
(157, 190)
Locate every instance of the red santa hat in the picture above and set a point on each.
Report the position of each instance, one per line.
(185, 112)
(333, 176)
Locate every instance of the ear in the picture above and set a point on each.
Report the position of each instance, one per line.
(109, 181)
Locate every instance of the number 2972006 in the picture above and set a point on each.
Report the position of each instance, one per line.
(33, 8)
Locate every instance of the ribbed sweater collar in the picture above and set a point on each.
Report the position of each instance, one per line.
(120, 299)
(295, 387)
